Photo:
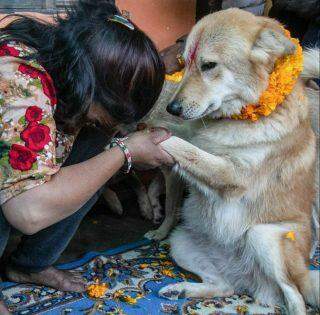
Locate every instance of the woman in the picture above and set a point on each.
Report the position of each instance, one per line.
(92, 66)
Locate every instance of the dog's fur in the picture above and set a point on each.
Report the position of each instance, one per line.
(250, 183)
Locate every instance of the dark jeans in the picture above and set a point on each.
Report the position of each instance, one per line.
(41, 250)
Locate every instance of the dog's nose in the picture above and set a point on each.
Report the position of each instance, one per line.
(174, 108)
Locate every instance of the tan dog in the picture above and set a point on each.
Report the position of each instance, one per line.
(250, 183)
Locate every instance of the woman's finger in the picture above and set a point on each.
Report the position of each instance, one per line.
(160, 134)
(167, 158)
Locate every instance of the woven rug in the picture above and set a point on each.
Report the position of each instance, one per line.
(134, 274)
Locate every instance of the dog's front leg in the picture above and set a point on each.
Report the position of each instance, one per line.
(210, 170)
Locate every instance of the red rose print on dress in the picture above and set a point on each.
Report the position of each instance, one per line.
(33, 114)
(46, 81)
(21, 158)
(6, 50)
(36, 136)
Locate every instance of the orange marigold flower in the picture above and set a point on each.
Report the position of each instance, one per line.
(175, 77)
(97, 290)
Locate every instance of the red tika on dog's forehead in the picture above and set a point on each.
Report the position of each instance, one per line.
(192, 53)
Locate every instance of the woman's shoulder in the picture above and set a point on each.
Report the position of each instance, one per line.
(22, 74)
(15, 49)
(21, 52)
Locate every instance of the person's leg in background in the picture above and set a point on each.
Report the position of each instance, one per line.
(32, 261)
(205, 7)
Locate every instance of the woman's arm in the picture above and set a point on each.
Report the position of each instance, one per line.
(65, 193)
(70, 188)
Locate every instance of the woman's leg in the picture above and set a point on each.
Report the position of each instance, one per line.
(32, 260)
(4, 236)
(3, 309)
(4, 232)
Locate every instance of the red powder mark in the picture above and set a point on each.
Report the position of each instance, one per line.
(192, 54)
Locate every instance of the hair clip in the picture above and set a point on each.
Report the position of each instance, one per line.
(121, 20)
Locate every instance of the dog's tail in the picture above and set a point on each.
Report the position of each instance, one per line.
(311, 64)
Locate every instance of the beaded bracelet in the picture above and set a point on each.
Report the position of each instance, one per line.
(120, 143)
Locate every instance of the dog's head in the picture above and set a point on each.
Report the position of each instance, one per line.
(229, 56)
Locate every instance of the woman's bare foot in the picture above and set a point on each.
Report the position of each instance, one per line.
(50, 277)
(3, 309)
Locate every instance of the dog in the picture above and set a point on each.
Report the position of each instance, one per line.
(147, 211)
(250, 183)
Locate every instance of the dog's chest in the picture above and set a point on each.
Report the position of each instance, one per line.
(220, 221)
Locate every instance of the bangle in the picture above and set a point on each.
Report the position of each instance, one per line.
(120, 143)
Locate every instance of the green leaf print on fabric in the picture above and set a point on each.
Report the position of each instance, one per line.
(4, 148)
(22, 121)
(36, 82)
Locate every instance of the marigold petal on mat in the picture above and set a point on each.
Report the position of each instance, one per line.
(290, 235)
(97, 290)
(143, 266)
(242, 309)
(167, 272)
(121, 296)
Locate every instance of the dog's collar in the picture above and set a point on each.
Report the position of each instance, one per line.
(281, 82)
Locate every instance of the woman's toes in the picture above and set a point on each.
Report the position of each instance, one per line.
(71, 282)
(76, 275)
(78, 286)
(72, 285)
(3, 309)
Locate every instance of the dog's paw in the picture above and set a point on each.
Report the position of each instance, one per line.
(173, 291)
(145, 207)
(116, 208)
(156, 235)
(157, 215)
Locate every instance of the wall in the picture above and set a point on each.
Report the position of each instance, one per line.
(163, 20)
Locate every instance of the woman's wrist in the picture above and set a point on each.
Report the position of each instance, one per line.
(120, 155)
(121, 144)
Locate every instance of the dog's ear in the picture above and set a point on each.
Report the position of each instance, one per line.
(271, 43)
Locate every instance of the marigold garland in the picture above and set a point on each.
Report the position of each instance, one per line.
(175, 77)
(281, 82)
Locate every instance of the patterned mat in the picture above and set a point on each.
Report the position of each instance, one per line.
(134, 274)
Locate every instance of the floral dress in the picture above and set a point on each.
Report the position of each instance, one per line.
(31, 148)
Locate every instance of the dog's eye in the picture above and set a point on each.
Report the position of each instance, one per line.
(208, 66)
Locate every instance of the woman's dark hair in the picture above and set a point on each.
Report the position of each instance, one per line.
(93, 61)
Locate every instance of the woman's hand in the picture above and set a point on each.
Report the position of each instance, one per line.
(144, 148)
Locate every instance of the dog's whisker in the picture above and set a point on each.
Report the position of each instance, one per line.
(204, 124)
